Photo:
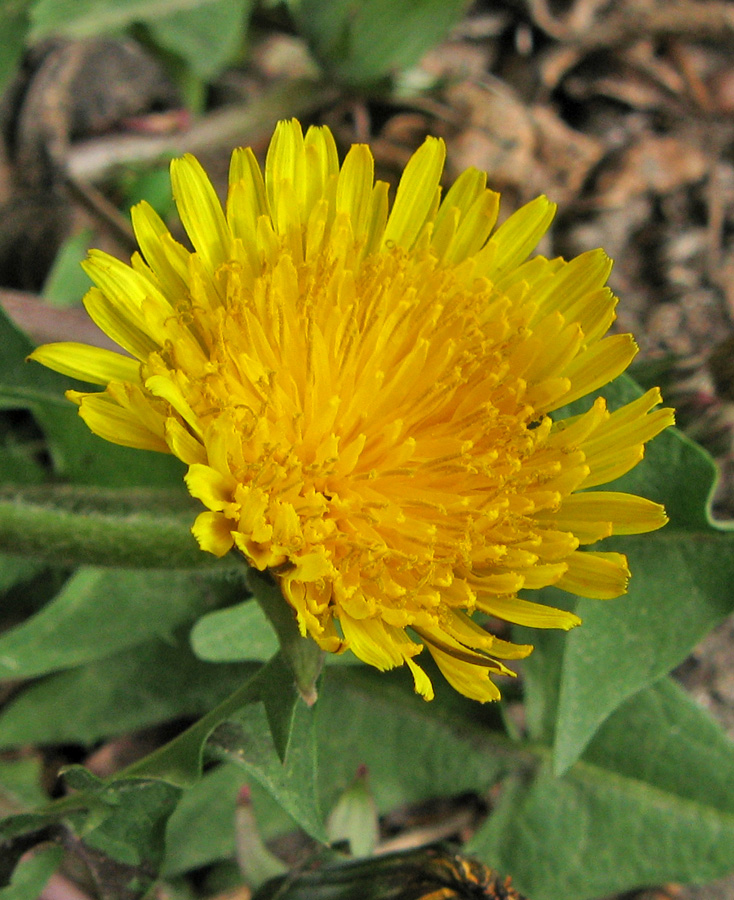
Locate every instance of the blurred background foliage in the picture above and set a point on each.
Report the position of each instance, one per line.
(360, 44)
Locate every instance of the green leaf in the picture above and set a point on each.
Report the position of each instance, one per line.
(617, 819)
(542, 670)
(123, 818)
(67, 281)
(16, 570)
(413, 750)
(651, 801)
(202, 827)
(280, 699)
(208, 36)
(32, 874)
(361, 42)
(20, 443)
(155, 682)
(447, 753)
(243, 632)
(680, 589)
(663, 737)
(234, 634)
(246, 740)
(98, 613)
(88, 18)
(127, 817)
(13, 32)
(20, 784)
(180, 760)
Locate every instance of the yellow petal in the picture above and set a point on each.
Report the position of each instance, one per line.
(213, 531)
(117, 425)
(601, 576)
(461, 196)
(525, 612)
(285, 161)
(166, 257)
(421, 681)
(416, 195)
(627, 513)
(122, 285)
(567, 291)
(598, 365)
(376, 218)
(125, 329)
(244, 167)
(472, 681)
(164, 387)
(200, 211)
(354, 187)
(518, 236)
(369, 641)
(321, 161)
(473, 228)
(93, 364)
(214, 489)
(183, 444)
(310, 567)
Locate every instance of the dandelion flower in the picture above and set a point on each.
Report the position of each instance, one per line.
(364, 397)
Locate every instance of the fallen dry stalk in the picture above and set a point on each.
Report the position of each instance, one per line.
(228, 127)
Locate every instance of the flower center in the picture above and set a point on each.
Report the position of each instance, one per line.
(369, 411)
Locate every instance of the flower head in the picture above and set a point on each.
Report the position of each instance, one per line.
(364, 398)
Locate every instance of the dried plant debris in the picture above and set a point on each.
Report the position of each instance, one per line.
(65, 90)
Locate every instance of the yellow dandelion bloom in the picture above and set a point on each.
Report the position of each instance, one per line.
(363, 396)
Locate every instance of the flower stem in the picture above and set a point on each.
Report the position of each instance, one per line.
(302, 654)
(71, 525)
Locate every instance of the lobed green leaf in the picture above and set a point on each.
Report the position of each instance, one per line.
(207, 35)
(362, 42)
(679, 591)
(651, 801)
(97, 613)
(146, 685)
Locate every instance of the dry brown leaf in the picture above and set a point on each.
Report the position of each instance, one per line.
(653, 163)
(459, 59)
(567, 156)
(499, 137)
(630, 89)
(42, 322)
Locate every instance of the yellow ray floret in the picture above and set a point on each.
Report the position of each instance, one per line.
(363, 396)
